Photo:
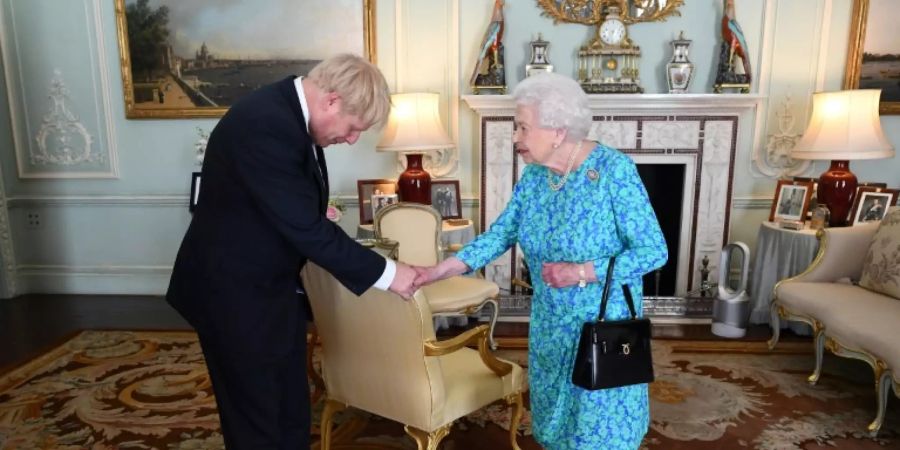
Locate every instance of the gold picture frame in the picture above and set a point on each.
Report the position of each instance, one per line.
(171, 82)
(791, 201)
(854, 77)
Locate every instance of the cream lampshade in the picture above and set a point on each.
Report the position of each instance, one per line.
(844, 125)
(414, 126)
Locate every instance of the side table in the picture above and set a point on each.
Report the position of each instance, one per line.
(450, 234)
(780, 254)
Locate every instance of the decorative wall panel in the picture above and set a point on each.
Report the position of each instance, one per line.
(60, 112)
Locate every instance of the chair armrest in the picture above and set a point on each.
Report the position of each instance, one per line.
(477, 335)
(841, 253)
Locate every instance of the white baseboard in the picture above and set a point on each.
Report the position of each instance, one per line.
(125, 280)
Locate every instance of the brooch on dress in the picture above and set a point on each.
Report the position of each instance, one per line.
(593, 175)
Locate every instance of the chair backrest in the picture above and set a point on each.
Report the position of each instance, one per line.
(417, 229)
(373, 355)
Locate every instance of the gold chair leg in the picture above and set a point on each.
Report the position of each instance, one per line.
(515, 401)
(427, 441)
(331, 407)
(882, 386)
(317, 380)
(775, 324)
(820, 341)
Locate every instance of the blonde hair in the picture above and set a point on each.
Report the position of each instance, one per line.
(363, 90)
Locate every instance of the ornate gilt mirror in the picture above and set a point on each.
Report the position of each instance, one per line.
(591, 12)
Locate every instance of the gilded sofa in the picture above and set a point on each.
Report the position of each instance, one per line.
(850, 295)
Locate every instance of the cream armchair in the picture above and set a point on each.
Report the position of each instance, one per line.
(380, 355)
(417, 229)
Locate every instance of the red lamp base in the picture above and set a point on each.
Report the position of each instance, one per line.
(415, 182)
(836, 188)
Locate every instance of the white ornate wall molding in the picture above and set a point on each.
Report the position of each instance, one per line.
(774, 133)
(699, 131)
(8, 278)
(148, 201)
(774, 159)
(39, 201)
(442, 72)
(58, 142)
(438, 163)
(62, 139)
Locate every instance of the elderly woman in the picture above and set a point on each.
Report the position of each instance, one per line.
(577, 204)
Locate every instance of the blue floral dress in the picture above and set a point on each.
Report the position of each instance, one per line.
(602, 210)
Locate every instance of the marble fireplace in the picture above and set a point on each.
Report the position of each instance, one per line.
(696, 133)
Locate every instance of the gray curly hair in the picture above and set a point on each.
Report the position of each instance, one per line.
(559, 101)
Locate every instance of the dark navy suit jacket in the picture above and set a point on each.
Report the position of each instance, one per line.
(259, 218)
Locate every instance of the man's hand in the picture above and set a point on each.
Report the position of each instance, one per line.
(403, 284)
(426, 275)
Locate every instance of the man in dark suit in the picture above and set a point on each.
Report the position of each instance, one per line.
(259, 218)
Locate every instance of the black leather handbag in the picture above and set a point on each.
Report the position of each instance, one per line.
(613, 353)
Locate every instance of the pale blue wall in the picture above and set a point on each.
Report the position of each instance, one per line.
(119, 235)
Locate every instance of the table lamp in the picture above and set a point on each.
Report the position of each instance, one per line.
(844, 125)
(414, 126)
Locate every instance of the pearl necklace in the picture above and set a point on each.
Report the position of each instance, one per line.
(569, 164)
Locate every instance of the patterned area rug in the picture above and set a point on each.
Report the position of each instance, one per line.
(143, 390)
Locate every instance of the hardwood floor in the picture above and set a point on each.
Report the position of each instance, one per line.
(32, 324)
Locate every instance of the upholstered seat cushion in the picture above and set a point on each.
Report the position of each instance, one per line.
(469, 385)
(881, 269)
(815, 299)
(457, 293)
(867, 322)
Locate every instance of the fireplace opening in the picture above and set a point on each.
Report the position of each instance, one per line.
(665, 187)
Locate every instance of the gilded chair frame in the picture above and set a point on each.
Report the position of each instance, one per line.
(416, 206)
(822, 341)
(468, 309)
(432, 352)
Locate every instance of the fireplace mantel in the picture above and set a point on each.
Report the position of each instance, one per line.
(699, 131)
(636, 103)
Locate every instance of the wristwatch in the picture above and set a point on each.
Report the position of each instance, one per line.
(582, 280)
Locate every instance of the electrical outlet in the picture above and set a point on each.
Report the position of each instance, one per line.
(33, 220)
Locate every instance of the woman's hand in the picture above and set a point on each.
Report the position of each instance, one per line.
(563, 274)
(449, 267)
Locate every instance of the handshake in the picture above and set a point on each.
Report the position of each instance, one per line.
(409, 279)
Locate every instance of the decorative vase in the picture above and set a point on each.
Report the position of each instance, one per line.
(680, 71)
(540, 61)
(414, 183)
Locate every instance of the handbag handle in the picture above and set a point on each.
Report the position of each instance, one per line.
(625, 290)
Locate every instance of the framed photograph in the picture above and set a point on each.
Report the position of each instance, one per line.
(791, 200)
(195, 58)
(445, 198)
(195, 191)
(370, 193)
(813, 199)
(873, 58)
(859, 188)
(381, 200)
(871, 204)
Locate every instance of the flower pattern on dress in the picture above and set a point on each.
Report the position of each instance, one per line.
(590, 219)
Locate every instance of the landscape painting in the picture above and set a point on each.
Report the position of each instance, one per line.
(873, 61)
(195, 58)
